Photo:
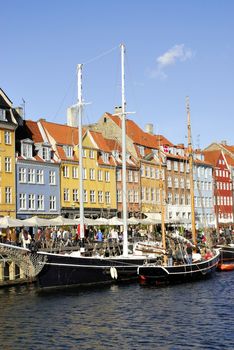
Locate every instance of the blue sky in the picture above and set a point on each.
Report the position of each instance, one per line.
(174, 48)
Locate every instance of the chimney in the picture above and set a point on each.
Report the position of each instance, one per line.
(224, 142)
(118, 110)
(72, 116)
(149, 128)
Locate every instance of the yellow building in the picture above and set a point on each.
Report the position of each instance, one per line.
(8, 126)
(98, 170)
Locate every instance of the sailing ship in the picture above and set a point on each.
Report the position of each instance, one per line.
(187, 269)
(77, 269)
(226, 262)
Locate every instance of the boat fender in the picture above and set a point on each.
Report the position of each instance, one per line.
(113, 273)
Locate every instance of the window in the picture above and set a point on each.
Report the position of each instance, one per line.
(91, 154)
(40, 202)
(130, 196)
(169, 198)
(52, 203)
(75, 197)
(142, 171)
(100, 196)
(92, 196)
(45, 153)
(99, 175)
(107, 176)
(136, 176)
(141, 150)
(22, 201)
(31, 201)
(66, 194)
(152, 173)
(107, 197)
(92, 174)
(157, 195)
(142, 193)
(52, 178)
(8, 195)
(176, 166)
(75, 172)
(181, 182)
(169, 182)
(84, 153)
(7, 164)
(152, 194)
(119, 196)
(22, 175)
(130, 176)
(182, 200)
(68, 151)
(187, 184)
(31, 176)
(3, 115)
(187, 168)
(105, 157)
(85, 196)
(181, 167)
(157, 174)
(26, 150)
(7, 137)
(168, 164)
(118, 175)
(176, 182)
(84, 174)
(136, 197)
(66, 171)
(40, 176)
(147, 194)
(177, 198)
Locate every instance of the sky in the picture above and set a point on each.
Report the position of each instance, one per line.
(174, 49)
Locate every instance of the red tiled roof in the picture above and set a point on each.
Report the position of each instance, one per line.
(229, 148)
(33, 127)
(229, 160)
(100, 141)
(139, 136)
(63, 134)
(212, 157)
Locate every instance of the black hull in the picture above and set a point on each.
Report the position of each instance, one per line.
(66, 271)
(153, 274)
(226, 254)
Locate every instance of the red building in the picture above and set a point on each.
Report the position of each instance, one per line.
(223, 194)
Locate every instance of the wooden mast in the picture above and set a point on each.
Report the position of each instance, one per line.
(162, 194)
(190, 154)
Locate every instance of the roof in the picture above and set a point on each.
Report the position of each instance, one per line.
(5, 102)
(34, 130)
(62, 134)
(212, 157)
(139, 136)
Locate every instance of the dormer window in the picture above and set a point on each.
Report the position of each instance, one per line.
(45, 153)
(3, 115)
(105, 157)
(141, 150)
(26, 149)
(69, 151)
(115, 154)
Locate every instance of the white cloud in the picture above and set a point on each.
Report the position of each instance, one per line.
(176, 53)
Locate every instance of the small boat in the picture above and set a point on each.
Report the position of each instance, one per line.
(226, 253)
(225, 266)
(162, 274)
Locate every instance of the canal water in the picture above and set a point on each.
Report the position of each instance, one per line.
(189, 316)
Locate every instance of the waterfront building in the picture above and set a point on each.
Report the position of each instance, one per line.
(203, 192)
(37, 173)
(223, 191)
(8, 126)
(177, 184)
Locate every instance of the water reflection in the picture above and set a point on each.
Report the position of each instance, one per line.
(190, 316)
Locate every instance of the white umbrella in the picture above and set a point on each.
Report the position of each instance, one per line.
(115, 221)
(101, 221)
(7, 221)
(35, 221)
(87, 221)
(133, 221)
(61, 221)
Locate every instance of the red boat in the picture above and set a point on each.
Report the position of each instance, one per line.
(225, 267)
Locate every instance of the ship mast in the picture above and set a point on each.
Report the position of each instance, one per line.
(190, 154)
(124, 170)
(162, 193)
(80, 106)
